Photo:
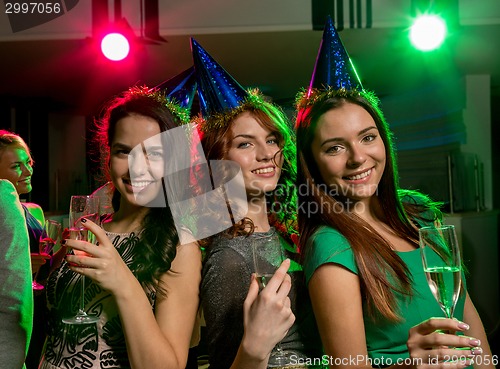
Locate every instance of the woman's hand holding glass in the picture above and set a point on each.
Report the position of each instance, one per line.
(267, 315)
(49, 237)
(101, 262)
(268, 255)
(435, 340)
(429, 346)
(37, 260)
(81, 209)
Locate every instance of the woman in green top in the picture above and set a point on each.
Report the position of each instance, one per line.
(359, 235)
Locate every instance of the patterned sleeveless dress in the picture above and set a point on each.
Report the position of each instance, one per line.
(99, 345)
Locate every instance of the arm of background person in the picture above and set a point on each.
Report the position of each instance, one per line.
(16, 296)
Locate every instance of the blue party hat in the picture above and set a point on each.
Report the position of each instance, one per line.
(181, 88)
(334, 68)
(218, 91)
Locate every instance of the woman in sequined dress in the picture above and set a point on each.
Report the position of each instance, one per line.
(243, 325)
(141, 284)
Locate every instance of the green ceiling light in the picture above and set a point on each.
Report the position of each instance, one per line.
(428, 32)
(432, 21)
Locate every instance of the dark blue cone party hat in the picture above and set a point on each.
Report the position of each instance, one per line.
(333, 66)
(181, 88)
(218, 91)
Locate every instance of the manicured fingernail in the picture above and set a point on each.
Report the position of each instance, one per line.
(84, 220)
(463, 326)
(476, 351)
(475, 342)
(63, 242)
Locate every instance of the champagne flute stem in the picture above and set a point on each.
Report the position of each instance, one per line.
(82, 297)
(36, 275)
(279, 349)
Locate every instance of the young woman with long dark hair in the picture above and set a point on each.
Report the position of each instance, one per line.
(360, 236)
(140, 282)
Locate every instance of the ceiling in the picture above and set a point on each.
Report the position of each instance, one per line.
(70, 74)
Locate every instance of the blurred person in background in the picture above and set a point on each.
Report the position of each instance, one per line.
(16, 166)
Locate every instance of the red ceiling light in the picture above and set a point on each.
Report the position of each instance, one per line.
(116, 38)
(115, 46)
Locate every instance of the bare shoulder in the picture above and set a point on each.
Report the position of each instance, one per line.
(35, 210)
(186, 264)
(187, 254)
(184, 277)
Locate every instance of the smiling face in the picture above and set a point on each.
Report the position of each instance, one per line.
(349, 152)
(256, 149)
(137, 173)
(15, 166)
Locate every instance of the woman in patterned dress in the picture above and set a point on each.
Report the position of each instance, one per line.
(139, 281)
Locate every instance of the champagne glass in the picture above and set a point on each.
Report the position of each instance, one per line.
(267, 257)
(48, 239)
(82, 207)
(442, 265)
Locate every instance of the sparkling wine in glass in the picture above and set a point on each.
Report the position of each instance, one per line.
(82, 207)
(268, 255)
(442, 265)
(49, 237)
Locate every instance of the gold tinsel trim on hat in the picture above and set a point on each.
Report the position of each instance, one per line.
(172, 104)
(254, 100)
(306, 99)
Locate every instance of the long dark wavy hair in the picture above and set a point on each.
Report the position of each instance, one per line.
(382, 273)
(281, 203)
(153, 255)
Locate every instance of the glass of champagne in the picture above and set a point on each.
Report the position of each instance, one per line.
(268, 255)
(442, 265)
(82, 207)
(49, 237)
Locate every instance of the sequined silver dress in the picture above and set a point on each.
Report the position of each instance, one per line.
(226, 276)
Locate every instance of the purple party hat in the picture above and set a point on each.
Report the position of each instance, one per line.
(181, 88)
(218, 91)
(333, 68)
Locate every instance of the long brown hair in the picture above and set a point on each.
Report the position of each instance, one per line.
(281, 202)
(382, 273)
(158, 242)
